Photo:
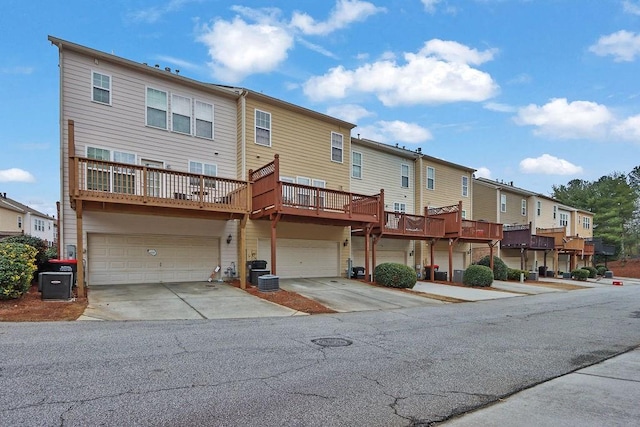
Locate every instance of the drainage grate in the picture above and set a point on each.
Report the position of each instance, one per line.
(332, 342)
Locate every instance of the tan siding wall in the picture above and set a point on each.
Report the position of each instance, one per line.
(381, 170)
(122, 127)
(485, 202)
(546, 220)
(9, 221)
(448, 187)
(513, 215)
(303, 144)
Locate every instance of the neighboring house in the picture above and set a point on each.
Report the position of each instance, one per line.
(17, 219)
(299, 162)
(538, 230)
(148, 171)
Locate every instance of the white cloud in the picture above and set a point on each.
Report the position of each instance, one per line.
(549, 165)
(238, 49)
(153, 14)
(16, 175)
(349, 112)
(185, 65)
(344, 13)
(395, 131)
(631, 7)
(500, 108)
(520, 79)
(430, 5)
(557, 118)
(316, 48)
(623, 46)
(628, 129)
(17, 70)
(483, 172)
(438, 73)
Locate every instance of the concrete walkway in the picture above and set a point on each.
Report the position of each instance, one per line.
(605, 394)
(461, 292)
(169, 301)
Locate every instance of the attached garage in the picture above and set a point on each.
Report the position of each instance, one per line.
(387, 250)
(122, 259)
(302, 258)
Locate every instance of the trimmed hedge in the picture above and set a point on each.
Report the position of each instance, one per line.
(17, 265)
(478, 275)
(514, 274)
(601, 269)
(592, 271)
(500, 269)
(394, 275)
(580, 274)
(40, 245)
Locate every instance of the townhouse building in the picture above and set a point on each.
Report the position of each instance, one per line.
(18, 219)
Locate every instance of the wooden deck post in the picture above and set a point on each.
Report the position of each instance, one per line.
(79, 251)
(274, 223)
(367, 248)
(450, 278)
(432, 259)
(242, 252)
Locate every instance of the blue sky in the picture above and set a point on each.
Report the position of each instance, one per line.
(537, 92)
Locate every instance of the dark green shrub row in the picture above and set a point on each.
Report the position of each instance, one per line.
(395, 275)
(514, 274)
(478, 275)
(17, 265)
(40, 245)
(601, 269)
(580, 274)
(499, 267)
(592, 271)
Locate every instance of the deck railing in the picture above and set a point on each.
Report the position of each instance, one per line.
(458, 227)
(519, 236)
(402, 224)
(106, 181)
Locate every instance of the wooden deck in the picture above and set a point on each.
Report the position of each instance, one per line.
(520, 236)
(465, 230)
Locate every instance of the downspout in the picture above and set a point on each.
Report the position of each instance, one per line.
(61, 235)
(243, 133)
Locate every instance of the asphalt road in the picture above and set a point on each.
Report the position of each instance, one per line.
(408, 367)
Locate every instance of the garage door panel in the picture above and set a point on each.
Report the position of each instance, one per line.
(117, 259)
(302, 258)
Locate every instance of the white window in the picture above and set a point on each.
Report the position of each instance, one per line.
(431, 178)
(555, 211)
(399, 207)
(124, 179)
(463, 214)
(523, 207)
(564, 219)
(404, 176)
(19, 222)
(98, 174)
(336, 147)
(586, 222)
(503, 203)
(304, 194)
(101, 88)
(181, 114)
(465, 186)
(263, 128)
(356, 164)
(320, 193)
(204, 120)
(156, 108)
(206, 169)
(288, 191)
(538, 207)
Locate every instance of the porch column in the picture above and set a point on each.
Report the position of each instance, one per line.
(373, 256)
(556, 259)
(521, 259)
(242, 252)
(79, 251)
(491, 256)
(431, 264)
(274, 223)
(367, 237)
(450, 278)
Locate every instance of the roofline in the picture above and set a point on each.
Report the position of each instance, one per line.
(402, 152)
(502, 185)
(290, 106)
(138, 66)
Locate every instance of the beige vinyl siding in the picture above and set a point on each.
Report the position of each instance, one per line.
(122, 126)
(486, 202)
(546, 220)
(9, 221)
(302, 142)
(513, 215)
(382, 170)
(448, 186)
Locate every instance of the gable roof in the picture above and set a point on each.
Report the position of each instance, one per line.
(12, 205)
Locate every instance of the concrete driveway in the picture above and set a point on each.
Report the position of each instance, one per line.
(169, 301)
(345, 295)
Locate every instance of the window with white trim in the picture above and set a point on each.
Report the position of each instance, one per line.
(319, 183)
(19, 222)
(431, 178)
(555, 211)
(586, 222)
(288, 191)
(399, 207)
(124, 178)
(465, 186)
(356, 164)
(204, 119)
(38, 225)
(503, 203)
(463, 214)
(101, 88)
(564, 219)
(304, 194)
(156, 108)
(523, 207)
(404, 176)
(98, 174)
(181, 114)
(263, 128)
(206, 169)
(336, 147)
(538, 208)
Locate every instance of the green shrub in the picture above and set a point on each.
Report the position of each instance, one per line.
(478, 275)
(601, 269)
(592, 271)
(514, 274)
(36, 242)
(395, 275)
(499, 267)
(580, 274)
(51, 253)
(17, 265)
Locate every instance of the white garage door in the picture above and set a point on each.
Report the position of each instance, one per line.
(302, 258)
(399, 257)
(442, 260)
(118, 259)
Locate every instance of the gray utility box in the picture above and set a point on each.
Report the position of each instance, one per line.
(458, 275)
(608, 274)
(533, 275)
(256, 273)
(55, 285)
(268, 283)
